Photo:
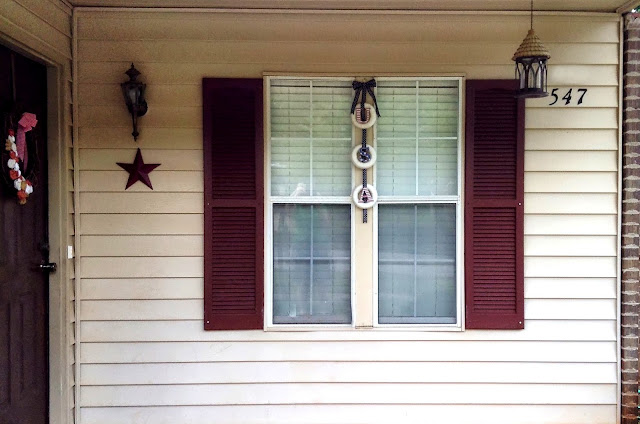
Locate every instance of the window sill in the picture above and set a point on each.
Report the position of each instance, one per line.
(380, 328)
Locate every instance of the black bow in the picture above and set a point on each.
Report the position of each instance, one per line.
(362, 88)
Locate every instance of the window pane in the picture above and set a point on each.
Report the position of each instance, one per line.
(396, 167)
(290, 106)
(397, 103)
(311, 264)
(417, 140)
(417, 264)
(310, 138)
(438, 108)
(438, 164)
(331, 109)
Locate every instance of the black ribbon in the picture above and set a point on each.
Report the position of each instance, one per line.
(362, 88)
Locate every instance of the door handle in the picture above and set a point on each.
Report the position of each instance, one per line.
(48, 267)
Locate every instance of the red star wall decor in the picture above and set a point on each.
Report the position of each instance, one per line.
(138, 170)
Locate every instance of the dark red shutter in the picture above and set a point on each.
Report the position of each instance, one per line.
(233, 204)
(494, 206)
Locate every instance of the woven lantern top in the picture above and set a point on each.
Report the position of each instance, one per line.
(531, 46)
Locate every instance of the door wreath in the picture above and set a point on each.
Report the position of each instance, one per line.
(15, 161)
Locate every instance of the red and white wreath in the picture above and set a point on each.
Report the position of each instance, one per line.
(20, 183)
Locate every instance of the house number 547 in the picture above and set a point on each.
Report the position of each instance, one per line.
(580, 93)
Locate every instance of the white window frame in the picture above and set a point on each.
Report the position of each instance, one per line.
(355, 214)
(422, 200)
(270, 201)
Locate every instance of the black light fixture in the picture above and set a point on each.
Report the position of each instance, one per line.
(133, 92)
(531, 65)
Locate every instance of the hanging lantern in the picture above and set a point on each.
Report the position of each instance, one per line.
(531, 65)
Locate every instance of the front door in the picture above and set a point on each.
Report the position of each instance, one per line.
(24, 290)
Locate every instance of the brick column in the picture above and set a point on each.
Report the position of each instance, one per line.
(630, 218)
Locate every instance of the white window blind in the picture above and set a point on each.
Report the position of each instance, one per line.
(311, 264)
(310, 138)
(310, 148)
(417, 264)
(418, 138)
(417, 178)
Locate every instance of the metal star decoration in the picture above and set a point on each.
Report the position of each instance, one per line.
(138, 170)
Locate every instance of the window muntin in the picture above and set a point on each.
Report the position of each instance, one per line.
(417, 176)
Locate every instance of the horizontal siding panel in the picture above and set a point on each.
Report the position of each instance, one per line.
(570, 182)
(192, 309)
(142, 246)
(571, 161)
(590, 309)
(127, 267)
(162, 116)
(162, 181)
(571, 139)
(157, 73)
(192, 288)
(197, 51)
(148, 224)
(373, 414)
(494, 351)
(140, 203)
(537, 224)
(597, 75)
(569, 267)
(342, 372)
(174, 95)
(570, 288)
(169, 160)
(348, 393)
(119, 137)
(281, 27)
(570, 203)
(191, 330)
(570, 246)
(571, 118)
(142, 309)
(142, 288)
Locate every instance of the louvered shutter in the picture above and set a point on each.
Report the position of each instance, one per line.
(494, 211)
(233, 209)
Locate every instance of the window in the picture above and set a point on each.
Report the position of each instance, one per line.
(313, 223)
(324, 267)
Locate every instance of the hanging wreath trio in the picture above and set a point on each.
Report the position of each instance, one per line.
(363, 156)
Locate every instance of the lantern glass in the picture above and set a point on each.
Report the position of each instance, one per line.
(531, 73)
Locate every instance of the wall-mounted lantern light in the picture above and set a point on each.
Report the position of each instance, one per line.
(531, 65)
(133, 92)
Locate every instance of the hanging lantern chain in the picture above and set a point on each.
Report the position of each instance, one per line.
(531, 25)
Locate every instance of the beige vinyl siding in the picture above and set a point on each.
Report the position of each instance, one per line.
(144, 353)
(41, 29)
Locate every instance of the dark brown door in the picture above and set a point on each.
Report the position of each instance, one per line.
(24, 373)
